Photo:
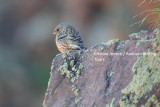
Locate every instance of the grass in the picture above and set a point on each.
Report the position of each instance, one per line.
(153, 22)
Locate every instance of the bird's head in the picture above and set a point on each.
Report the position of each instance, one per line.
(64, 28)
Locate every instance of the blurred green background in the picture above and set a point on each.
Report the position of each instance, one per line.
(27, 47)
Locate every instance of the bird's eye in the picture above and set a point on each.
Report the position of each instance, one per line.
(57, 30)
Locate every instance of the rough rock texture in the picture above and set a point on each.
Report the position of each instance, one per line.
(112, 74)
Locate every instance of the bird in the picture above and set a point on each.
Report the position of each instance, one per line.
(67, 38)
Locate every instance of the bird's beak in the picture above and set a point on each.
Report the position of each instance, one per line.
(54, 33)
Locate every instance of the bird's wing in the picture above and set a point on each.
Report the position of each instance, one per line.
(74, 41)
(77, 40)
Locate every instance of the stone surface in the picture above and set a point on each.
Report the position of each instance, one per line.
(111, 74)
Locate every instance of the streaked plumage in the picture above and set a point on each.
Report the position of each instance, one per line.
(67, 38)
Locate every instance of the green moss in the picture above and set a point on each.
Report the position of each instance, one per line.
(78, 100)
(112, 103)
(75, 90)
(146, 73)
(152, 100)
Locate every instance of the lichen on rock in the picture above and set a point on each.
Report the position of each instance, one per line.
(72, 63)
(78, 100)
(156, 43)
(64, 70)
(146, 73)
(133, 80)
(111, 104)
(152, 100)
(70, 68)
(75, 90)
(81, 66)
(110, 42)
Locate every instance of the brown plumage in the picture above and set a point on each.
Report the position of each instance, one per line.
(68, 38)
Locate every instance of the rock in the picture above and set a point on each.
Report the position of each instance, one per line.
(112, 74)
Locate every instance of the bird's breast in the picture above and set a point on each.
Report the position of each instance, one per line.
(61, 45)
